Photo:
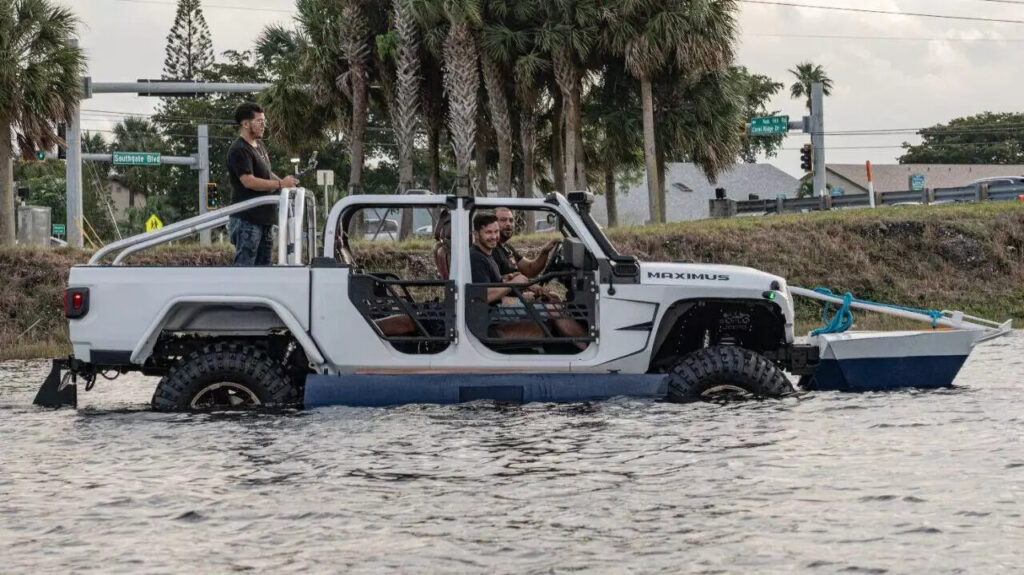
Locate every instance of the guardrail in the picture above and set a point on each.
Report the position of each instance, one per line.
(976, 193)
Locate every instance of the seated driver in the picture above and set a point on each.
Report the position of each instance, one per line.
(509, 261)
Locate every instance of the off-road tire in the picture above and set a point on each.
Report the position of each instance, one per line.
(245, 366)
(692, 377)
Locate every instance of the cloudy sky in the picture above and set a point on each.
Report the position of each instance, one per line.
(891, 71)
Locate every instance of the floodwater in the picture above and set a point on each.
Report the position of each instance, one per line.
(908, 482)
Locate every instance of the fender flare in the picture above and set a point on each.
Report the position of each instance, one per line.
(144, 348)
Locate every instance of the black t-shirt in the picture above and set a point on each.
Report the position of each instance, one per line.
(244, 159)
(484, 270)
(507, 258)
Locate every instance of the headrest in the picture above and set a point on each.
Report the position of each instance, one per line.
(443, 226)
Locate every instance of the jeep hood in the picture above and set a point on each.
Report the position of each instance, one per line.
(707, 275)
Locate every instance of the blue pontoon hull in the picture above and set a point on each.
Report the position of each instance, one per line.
(384, 390)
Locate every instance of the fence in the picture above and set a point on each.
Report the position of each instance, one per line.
(974, 193)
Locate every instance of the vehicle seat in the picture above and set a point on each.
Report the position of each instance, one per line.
(442, 250)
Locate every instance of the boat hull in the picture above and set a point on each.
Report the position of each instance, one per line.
(877, 361)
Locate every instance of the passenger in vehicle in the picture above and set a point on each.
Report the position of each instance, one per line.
(483, 267)
(486, 234)
(508, 258)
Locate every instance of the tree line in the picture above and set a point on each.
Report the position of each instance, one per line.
(512, 97)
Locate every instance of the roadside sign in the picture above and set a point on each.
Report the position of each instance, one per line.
(153, 223)
(917, 182)
(325, 177)
(769, 126)
(59, 230)
(136, 159)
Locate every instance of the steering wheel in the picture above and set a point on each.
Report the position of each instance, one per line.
(556, 262)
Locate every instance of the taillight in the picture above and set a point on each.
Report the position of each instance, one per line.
(76, 302)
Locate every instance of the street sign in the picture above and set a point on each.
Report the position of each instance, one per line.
(153, 223)
(325, 177)
(59, 230)
(136, 159)
(769, 126)
(917, 182)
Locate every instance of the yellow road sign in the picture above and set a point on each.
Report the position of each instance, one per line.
(153, 223)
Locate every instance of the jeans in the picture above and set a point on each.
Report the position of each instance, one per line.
(253, 243)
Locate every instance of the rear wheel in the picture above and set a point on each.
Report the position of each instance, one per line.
(224, 376)
(725, 372)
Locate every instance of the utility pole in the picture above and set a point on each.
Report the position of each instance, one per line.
(203, 166)
(818, 137)
(73, 173)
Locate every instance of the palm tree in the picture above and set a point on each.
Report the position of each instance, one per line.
(355, 49)
(40, 85)
(681, 38)
(568, 34)
(498, 49)
(407, 73)
(528, 72)
(614, 127)
(448, 27)
(506, 34)
(808, 73)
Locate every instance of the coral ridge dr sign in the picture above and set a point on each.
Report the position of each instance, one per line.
(136, 159)
(769, 126)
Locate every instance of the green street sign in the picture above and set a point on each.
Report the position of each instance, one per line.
(917, 182)
(769, 126)
(59, 230)
(136, 159)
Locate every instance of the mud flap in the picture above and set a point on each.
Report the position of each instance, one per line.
(55, 392)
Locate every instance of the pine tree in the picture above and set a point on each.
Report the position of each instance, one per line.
(189, 48)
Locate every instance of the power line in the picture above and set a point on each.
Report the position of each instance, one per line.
(884, 12)
(908, 146)
(890, 38)
(214, 6)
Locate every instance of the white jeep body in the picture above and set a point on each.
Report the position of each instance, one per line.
(638, 311)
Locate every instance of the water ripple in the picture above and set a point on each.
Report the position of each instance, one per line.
(835, 483)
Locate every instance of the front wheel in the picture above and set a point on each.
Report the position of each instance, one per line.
(723, 372)
(223, 376)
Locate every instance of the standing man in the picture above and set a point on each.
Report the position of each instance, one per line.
(507, 257)
(251, 232)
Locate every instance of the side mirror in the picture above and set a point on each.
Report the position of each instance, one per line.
(574, 253)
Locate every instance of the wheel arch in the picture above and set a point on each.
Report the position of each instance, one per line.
(687, 325)
(194, 310)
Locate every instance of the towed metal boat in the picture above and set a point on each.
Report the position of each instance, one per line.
(884, 360)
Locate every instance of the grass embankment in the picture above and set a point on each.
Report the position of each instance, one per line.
(953, 257)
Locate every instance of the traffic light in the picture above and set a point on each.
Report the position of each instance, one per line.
(40, 155)
(62, 141)
(807, 158)
(212, 197)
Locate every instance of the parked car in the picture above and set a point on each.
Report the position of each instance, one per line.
(1000, 181)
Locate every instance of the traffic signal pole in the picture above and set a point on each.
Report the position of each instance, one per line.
(813, 125)
(73, 177)
(203, 166)
(818, 138)
(201, 161)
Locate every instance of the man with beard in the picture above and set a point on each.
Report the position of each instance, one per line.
(509, 260)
